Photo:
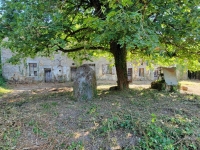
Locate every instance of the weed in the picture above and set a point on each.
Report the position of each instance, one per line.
(48, 105)
(76, 145)
(62, 146)
(20, 103)
(10, 137)
(110, 124)
(55, 113)
(35, 128)
(2, 79)
(92, 109)
(54, 104)
(165, 136)
(154, 137)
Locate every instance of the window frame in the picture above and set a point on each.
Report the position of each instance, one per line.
(141, 73)
(108, 70)
(33, 69)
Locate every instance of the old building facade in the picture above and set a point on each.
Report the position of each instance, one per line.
(60, 68)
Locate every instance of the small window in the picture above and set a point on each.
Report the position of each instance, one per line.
(35, 73)
(141, 72)
(156, 73)
(107, 69)
(32, 69)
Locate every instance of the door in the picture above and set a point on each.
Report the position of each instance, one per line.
(47, 75)
(130, 74)
(73, 73)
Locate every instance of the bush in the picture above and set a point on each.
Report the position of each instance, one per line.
(2, 80)
(158, 84)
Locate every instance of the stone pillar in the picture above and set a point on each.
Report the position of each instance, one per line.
(85, 87)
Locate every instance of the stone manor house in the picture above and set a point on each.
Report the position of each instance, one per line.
(60, 68)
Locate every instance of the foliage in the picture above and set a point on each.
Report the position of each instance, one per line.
(2, 80)
(3, 89)
(76, 145)
(162, 136)
(10, 138)
(116, 122)
(157, 31)
(36, 129)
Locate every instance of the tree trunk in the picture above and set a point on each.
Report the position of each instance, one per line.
(120, 54)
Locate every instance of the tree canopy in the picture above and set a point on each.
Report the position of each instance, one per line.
(155, 30)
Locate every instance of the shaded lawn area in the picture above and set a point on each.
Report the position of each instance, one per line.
(134, 119)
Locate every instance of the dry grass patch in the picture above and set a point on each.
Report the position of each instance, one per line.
(4, 91)
(135, 119)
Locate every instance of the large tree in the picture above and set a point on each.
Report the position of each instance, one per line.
(168, 30)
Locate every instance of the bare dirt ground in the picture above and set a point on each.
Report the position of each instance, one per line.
(192, 85)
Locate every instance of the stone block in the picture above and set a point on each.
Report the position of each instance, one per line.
(85, 86)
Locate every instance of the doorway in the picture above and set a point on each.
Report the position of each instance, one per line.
(47, 75)
(129, 73)
(73, 73)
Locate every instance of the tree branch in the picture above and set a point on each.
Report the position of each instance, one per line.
(74, 32)
(79, 48)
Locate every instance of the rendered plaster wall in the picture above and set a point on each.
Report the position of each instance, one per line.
(99, 63)
(59, 65)
(11, 71)
(60, 68)
(148, 73)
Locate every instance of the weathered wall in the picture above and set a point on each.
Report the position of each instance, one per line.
(59, 65)
(11, 71)
(58, 68)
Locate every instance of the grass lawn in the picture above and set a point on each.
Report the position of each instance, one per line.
(134, 119)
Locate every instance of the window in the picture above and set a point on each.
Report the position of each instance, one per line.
(32, 69)
(106, 69)
(156, 73)
(141, 72)
(129, 73)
